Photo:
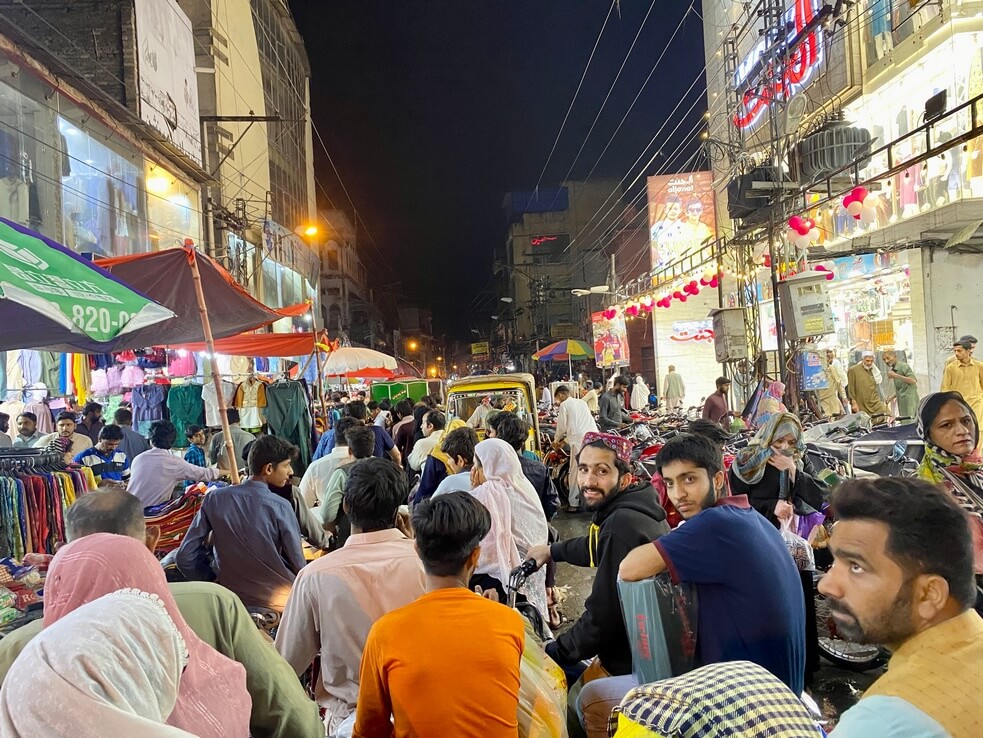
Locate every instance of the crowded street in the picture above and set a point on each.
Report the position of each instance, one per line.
(491, 370)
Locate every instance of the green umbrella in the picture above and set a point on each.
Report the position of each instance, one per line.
(50, 296)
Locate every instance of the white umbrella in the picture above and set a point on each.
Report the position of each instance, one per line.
(347, 360)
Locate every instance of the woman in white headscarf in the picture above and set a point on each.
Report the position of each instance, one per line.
(496, 467)
(111, 667)
(639, 394)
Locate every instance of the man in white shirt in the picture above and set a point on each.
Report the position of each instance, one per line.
(433, 432)
(155, 473)
(335, 600)
(590, 397)
(315, 479)
(379, 412)
(573, 420)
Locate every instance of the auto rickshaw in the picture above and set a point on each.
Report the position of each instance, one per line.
(513, 392)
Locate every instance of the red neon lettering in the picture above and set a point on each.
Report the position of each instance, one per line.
(800, 65)
(540, 240)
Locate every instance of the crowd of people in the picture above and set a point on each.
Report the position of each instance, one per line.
(387, 568)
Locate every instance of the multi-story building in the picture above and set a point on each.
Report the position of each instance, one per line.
(812, 100)
(557, 241)
(133, 125)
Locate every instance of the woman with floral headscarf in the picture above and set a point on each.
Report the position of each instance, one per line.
(774, 472)
(947, 423)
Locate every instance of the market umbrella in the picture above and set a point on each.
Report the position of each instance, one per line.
(51, 296)
(350, 361)
(566, 350)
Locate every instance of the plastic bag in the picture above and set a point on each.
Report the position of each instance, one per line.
(798, 547)
(7, 598)
(542, 692)
(660, 618)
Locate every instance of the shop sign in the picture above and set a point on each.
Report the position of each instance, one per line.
(610, 340)
(761, 83)
(694, 331)
(479, 349)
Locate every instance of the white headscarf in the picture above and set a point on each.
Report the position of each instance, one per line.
(500, 464)
(112, 667)
(639, 393)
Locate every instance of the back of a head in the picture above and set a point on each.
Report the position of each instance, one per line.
(460, 442)
(928, 533)
(110, 433)
(341, 429)
(91, 407)
(356, 409)
(448, 529)
(372, 405)
(561, 391)
(162, 434)
(385, 405)
(404, 408)
(232, 414)
(512, 429)
(436, 419)
(374, 490)
(123, 416)
(361, 441)
(106, 510)
(709, 430)
(689, 447)
(269, 450)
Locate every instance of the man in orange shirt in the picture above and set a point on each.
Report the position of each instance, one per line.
(447, 664)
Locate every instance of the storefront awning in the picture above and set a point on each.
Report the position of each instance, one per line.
(262, 344)
(166, 277)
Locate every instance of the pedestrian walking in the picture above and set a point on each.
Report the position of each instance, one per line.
(965, 376)
(673, 389)
(905, 386)
(639, 393)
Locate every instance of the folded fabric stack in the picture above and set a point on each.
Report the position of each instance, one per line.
(174, 518)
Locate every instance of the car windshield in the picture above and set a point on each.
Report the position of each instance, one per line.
(463, 404)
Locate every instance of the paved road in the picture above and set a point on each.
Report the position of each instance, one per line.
(834, 689)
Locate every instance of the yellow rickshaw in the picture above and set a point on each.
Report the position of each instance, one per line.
(514, 392)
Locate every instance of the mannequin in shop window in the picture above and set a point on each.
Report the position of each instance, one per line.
(250, 400)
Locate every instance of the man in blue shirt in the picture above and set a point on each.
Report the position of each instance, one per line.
(751, 603)
(105, 459)
(255, 547)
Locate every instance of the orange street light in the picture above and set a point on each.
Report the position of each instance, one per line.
(412, 345)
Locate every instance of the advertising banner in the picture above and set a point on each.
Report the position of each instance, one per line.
(479, 349)
(610, 340)
(166, 70)
(681, 215)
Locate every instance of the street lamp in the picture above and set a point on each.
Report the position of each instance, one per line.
(412, 345)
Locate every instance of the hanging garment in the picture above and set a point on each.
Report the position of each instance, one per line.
(250, 400)
(147, 401)
(181, 364)
(239, 368)
(46, 423)
(81, 377)
(131, 376)
(186, 408)
(210, 397)
(288, 416)
(50, 368)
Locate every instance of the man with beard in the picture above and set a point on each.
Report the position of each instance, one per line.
(625, 515)
(903, 577)
(750, 594)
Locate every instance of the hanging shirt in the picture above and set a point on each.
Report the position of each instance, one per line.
(250, 399)
(148, 404)
(185, 406)
(289, 418)
(210, 397)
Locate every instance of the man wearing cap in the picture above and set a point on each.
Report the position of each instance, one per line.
(626, 514)
(862, 389)
(965, 376)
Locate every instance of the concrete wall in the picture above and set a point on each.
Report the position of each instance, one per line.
(694, 360)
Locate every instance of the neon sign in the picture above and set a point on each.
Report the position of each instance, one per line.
(540, 240)
(772, 83)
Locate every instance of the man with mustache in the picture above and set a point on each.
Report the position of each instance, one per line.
(626, 514)
(902, 577)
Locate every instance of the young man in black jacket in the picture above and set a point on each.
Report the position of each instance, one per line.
(625, 515)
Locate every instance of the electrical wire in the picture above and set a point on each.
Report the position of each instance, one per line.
(580, 84)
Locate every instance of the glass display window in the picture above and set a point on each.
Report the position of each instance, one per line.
(172, 209)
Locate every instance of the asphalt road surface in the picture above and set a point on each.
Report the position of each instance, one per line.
(834, 689)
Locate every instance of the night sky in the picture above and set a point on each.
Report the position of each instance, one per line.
(433, 109)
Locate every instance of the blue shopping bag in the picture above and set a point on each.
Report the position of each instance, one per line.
(660, 618)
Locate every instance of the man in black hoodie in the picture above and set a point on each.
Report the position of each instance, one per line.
(625, 515)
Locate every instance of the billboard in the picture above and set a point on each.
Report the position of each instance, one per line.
(681, 215)
(610, 340)
(168, 84)
(479, 349)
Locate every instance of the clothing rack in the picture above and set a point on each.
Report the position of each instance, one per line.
(35, 490)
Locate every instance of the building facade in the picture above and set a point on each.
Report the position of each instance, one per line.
(883, 95)
(557, 241)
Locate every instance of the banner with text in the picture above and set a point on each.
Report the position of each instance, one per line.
(610, 340)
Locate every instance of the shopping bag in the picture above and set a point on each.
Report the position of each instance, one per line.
(542, 692)
(660, 618)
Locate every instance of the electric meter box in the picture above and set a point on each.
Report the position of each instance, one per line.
(729, 334)
(805, 306)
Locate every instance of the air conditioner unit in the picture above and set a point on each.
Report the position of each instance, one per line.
(745, 201)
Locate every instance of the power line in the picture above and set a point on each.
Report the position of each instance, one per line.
(575, 94)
